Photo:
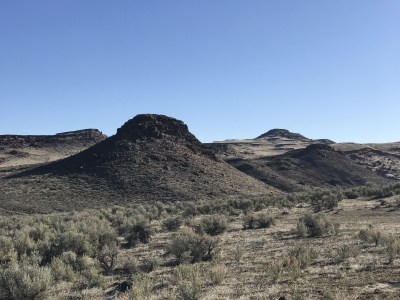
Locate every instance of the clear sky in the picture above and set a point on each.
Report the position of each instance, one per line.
(227, 68)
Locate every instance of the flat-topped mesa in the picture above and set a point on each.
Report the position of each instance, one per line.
(147, 126)
(78, 136)
(89, 131)
(283, 133)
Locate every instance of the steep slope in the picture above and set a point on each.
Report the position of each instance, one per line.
(19, 150)
(317, 165)
(151, 157)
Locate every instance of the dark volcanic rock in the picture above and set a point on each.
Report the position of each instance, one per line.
(154, 126)
(149, 126)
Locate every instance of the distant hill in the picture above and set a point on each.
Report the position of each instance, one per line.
(273, 142)
(382, 159)
(151, 157)
(283, 133)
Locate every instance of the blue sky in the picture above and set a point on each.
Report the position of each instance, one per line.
(228, 69)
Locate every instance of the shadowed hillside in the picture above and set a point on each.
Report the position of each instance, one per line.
(317, 165)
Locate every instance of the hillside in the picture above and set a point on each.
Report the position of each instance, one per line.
(151, 157)
(265, 158)
(317, 165)
(383, 159)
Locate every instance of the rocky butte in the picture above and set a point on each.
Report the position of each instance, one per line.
(151, 157)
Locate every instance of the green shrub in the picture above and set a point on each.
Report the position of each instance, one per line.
(107, 258)
(256, 221)
(302, 229)
(7, 252)
(130, 266)
(172, 224)
(213, 225)
(60, 270)
(238, 253)
(25, 282)
(91, 277)
(293, 266)
(275, 270)
(141, 288)
(188, 245)
(392, 248)
(151, 263)
(217, 274)
(316, 225)
(189, 282)
(351, 194)
(304, 254)
(190, 210)
(371, 236)
(23, 243)
(326, 202)
(140, 231)
(265, 221)
(347, 251)
(83, 263)
(69, 258)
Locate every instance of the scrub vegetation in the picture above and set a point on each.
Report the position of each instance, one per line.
(342, 244)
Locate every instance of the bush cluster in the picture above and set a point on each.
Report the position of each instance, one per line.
(304, 254)
(316, 225)
(369, 235)
(38, 251)
(212, 225)
(191, 247)
(256, 221)
(373, 190)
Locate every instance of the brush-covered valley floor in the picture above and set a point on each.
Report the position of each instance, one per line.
(187, 250)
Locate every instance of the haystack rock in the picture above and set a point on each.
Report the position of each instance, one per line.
(151, 157)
